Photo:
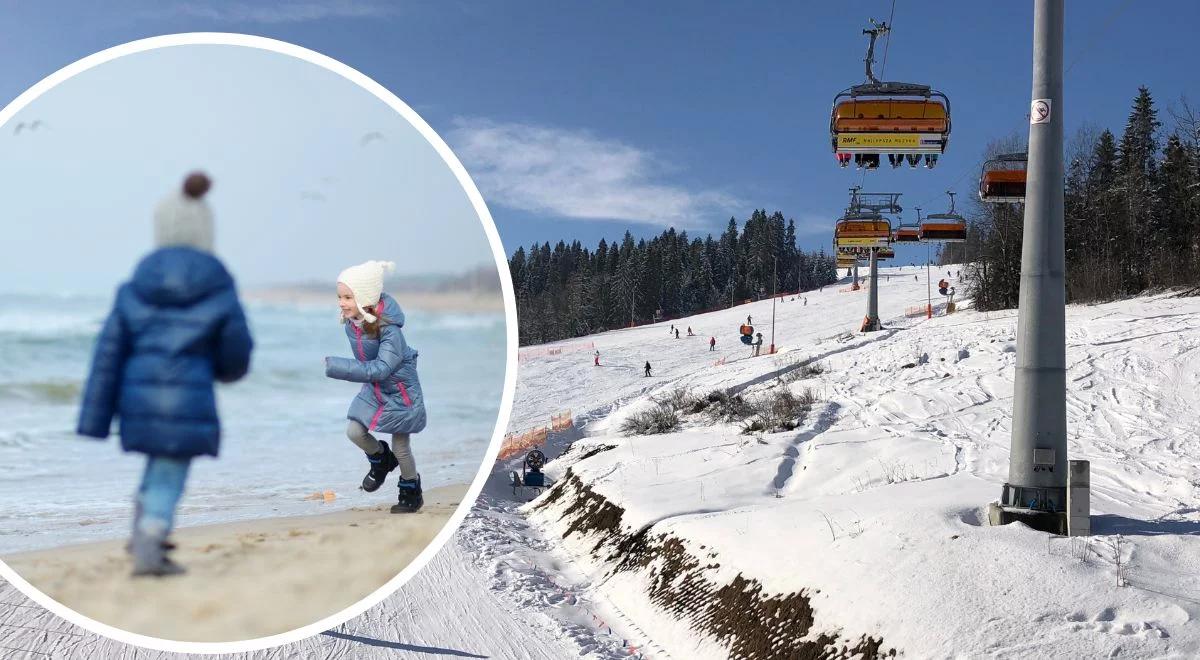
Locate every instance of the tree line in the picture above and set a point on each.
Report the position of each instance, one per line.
(1132, 214)
(569, 291)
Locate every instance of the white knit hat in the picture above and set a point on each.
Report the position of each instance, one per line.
(183, 217)
(366, 283)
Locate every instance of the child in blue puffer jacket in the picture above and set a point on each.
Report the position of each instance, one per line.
(390, 400)
(175, 327)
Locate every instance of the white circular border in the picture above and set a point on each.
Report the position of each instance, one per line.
(510, 311)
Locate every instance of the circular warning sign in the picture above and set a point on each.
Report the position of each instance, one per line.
(1039, 111)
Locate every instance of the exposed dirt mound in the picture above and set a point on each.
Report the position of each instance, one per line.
(752, 624)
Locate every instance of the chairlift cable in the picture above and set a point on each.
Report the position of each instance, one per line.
(883, 68)
(1108, 23)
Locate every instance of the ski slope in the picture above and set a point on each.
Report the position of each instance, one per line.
(873, 507)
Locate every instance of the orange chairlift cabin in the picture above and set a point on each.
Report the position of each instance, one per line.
(1003, 179)
(906, 121)
(863, 224)
(908, 233)
(865, 230)
(885, 253)
(948, 227)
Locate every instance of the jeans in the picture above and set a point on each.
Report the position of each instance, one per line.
(159, 494)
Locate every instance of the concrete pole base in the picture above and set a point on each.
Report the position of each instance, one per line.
(1051, 522)
(871, 324)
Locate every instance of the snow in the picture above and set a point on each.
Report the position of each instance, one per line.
(874, 506)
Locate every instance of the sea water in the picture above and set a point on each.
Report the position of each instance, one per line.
(283, 425)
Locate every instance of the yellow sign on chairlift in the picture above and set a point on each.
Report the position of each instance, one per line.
(862, 242)
(889, 142)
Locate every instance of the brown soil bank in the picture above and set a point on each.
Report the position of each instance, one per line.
(751, 624)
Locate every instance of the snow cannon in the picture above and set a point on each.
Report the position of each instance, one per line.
(747, 332)
(531, 476)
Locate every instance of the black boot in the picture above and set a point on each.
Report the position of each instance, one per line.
(410, 496)
(381, 463)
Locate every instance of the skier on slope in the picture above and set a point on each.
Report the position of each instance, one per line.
(712, 343)
(647, 368)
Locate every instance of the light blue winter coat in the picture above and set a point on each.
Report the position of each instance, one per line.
(390, 400)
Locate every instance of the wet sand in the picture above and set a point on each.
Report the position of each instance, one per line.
(246, 579)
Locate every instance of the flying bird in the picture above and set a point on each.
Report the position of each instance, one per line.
(311, 196)
(370, 137)
(33, 126)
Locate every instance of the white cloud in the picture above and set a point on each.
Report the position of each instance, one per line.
(811, 224)
(286, 12)
(573, 174)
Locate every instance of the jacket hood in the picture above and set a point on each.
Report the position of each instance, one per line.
(391, 310)
(177, 276)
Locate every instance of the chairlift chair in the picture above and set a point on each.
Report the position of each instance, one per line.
(1003, 179)
(907, 121)
(948, 227)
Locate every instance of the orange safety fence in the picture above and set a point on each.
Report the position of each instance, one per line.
(562, 421)
(531, 352)
(517, 443)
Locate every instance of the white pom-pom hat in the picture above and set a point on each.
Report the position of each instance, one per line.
(366, 283)
(183, 217)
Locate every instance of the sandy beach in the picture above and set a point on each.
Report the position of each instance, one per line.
(246, 579)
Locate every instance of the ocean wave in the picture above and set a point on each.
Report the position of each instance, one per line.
(25, 325)
(55, 392)
(461, 321)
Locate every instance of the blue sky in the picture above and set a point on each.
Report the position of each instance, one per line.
(584, 120)
(311, 172)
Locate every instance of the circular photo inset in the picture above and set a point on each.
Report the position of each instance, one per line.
(254, 342)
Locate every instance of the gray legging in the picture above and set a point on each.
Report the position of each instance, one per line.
(359, 435)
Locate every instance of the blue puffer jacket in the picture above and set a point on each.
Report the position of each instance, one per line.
(175, 327)
(390, 400)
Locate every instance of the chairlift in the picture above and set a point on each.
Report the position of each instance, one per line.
(1003, 179)
(531, 478)
(907, 121)
(948, 227)
(885, 253)
(908, 233)
(862, 231)
(863, 225)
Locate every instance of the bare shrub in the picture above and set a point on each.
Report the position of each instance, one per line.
(811, 369)
(653, 420)
(725, 407)
(676, 399)
(780, 410)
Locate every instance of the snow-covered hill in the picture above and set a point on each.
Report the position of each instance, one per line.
(857, 533)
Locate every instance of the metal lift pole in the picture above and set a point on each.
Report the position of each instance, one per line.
(1036, 492)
